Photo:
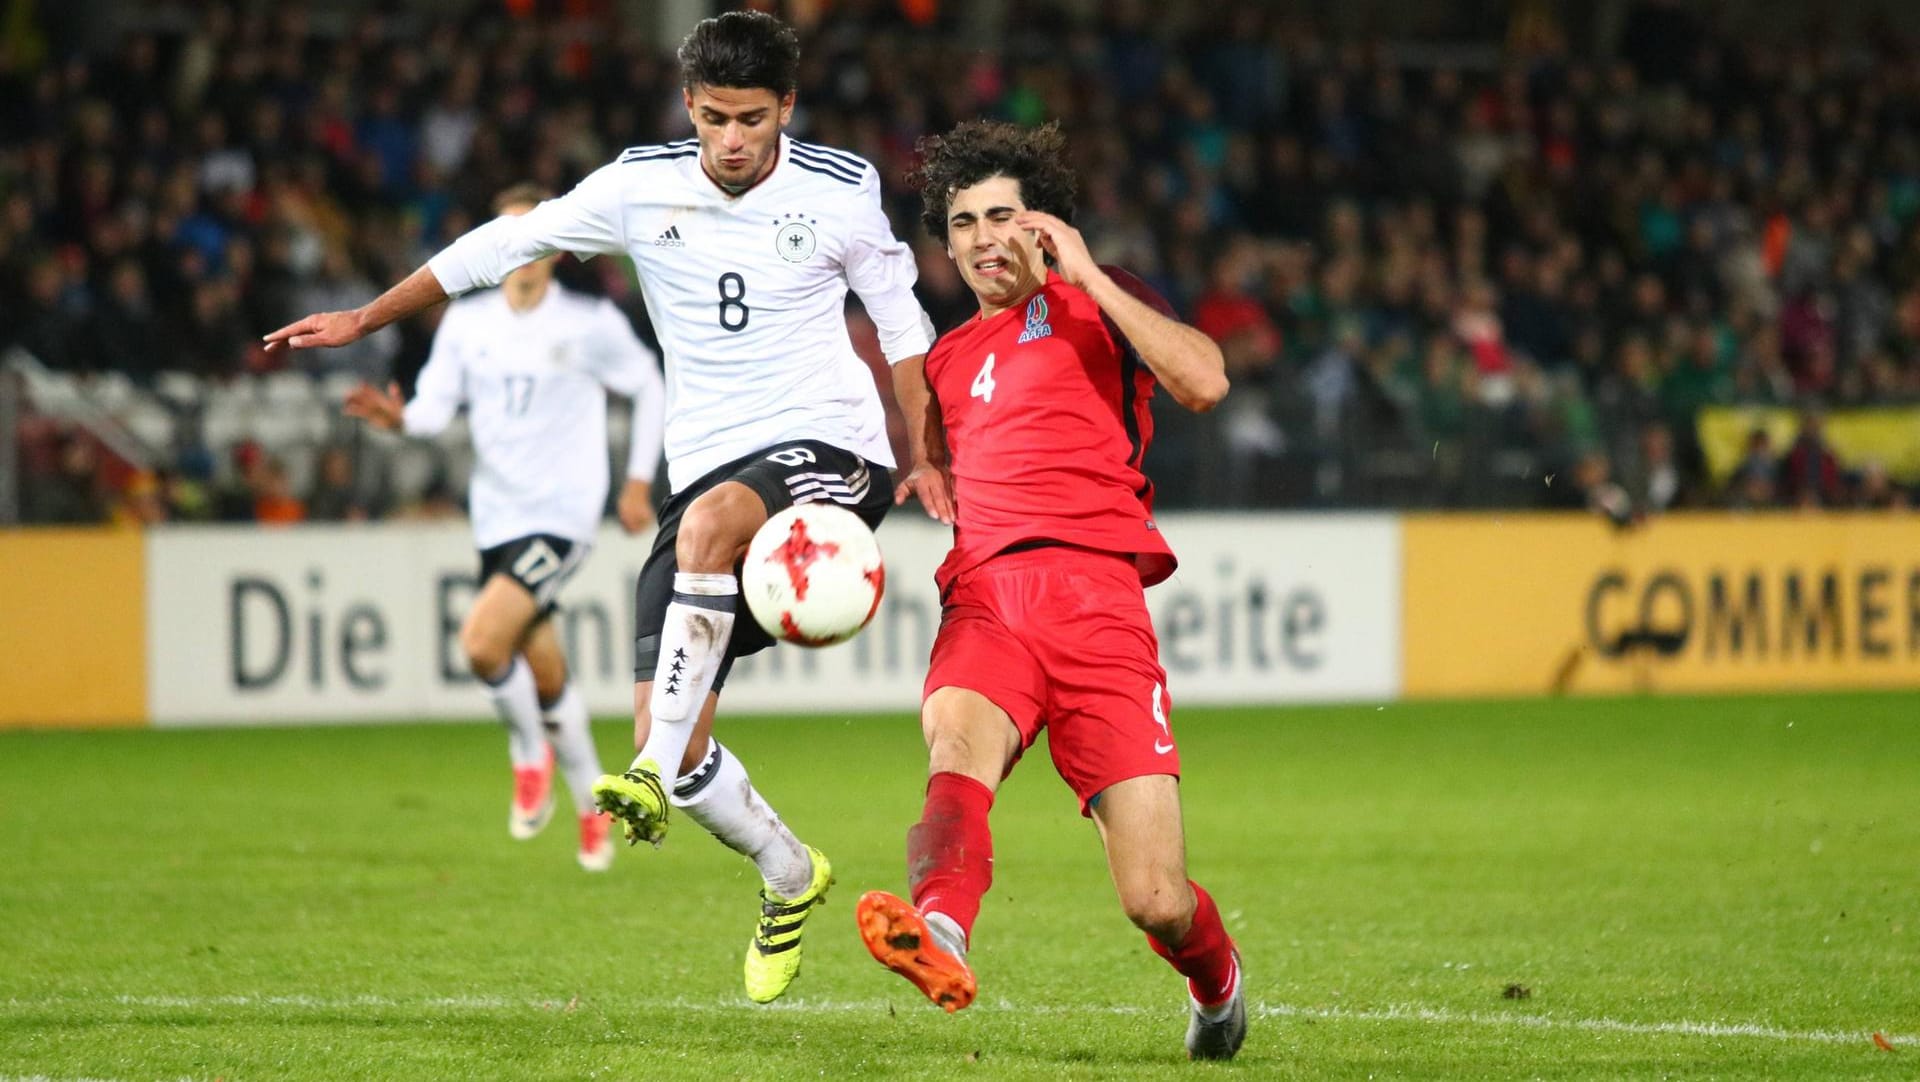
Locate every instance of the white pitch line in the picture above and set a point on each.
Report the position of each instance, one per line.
(49, 1078)
(63, 1078)
(1596, 1025)
(801, 1005)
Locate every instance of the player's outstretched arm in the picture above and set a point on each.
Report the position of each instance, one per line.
(418, 292)
(438, 391)
(1185, 361)
(926, 478)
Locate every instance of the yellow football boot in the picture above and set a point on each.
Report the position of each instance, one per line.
(773, 958)
(637, 799)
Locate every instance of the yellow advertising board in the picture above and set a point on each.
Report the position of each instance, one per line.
(72, 628)
(1530, 604)
(1888, 435)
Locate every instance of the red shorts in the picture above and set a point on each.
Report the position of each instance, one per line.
(1060, 639)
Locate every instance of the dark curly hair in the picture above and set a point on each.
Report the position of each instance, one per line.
(748, 50)
(983, 149)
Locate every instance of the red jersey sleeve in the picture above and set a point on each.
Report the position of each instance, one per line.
(1139, 291)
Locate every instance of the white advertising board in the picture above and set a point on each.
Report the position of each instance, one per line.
(324, 623)
(1280, 608)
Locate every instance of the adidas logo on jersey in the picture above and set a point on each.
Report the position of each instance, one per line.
(670, 238)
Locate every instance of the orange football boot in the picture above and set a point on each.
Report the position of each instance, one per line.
(898, 937)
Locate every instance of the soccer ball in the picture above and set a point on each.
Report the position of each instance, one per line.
(813, 575)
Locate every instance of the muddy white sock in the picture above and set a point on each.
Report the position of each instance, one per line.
(693, 640)
(720, 797)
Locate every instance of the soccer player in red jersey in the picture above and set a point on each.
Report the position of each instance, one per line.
(1042, 408)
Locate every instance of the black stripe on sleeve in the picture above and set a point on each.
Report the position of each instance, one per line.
(852, 161)
(844, 171)
(648, 148)
(825, 172)
(660, 156)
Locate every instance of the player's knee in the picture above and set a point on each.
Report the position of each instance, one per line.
(488, 654)
(714, 532)
(1163, 910)
(960, 743)
(945, 733)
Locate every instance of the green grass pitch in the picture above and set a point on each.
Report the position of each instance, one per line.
(1697, 888)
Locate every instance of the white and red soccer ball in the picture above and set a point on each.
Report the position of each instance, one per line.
(813, 575)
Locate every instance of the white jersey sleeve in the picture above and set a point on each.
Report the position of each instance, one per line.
(881, 271)
(589, 220)
(441, 388)
(626, 366)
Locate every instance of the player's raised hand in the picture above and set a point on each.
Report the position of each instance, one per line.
(318, 329)
(1064, 243)
(381, 409)
(636, 506)
(932, 487)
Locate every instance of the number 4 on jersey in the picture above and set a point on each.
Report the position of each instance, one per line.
(983, 382)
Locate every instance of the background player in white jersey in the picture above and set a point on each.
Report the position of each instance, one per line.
(746, 242)
(532, 363)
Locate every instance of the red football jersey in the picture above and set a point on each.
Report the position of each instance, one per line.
(1045, 408)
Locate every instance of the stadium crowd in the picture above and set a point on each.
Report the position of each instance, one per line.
(1436, 283)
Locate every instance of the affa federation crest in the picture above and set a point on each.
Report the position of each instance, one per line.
(1037, 325)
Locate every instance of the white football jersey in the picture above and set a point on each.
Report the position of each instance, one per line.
(535, 387)
(747, 293)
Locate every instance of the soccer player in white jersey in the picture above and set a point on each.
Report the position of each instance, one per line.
(746, 242)
(532, 363)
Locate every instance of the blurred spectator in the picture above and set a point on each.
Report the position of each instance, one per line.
(1250, 341)
(186, 496)
(1657, 485)
(234, 498)
(1229, 314)
(213, 341)
(274, 503)
(1478, 324)
(437, 501)
(126, 334)
(72, 494)
(47, 326)
(1810, 472)
(141, 502)
(336, 494)
(1756, 480)
(1593, 488)
(1876, 490)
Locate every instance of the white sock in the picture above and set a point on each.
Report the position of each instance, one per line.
(518, 705)
(947, 934)
(569, 728)
(719, 796)
(693, 640)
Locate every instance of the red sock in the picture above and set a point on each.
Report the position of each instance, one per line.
(950, 850)
(1205, 957)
